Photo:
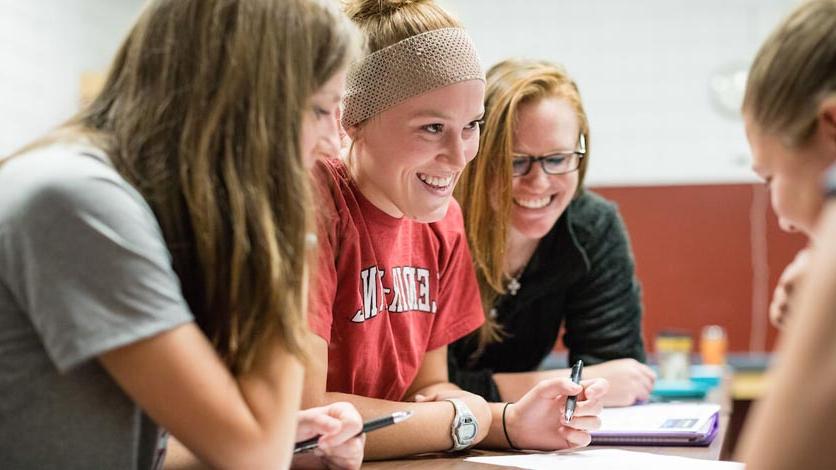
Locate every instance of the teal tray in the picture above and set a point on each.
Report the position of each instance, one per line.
(680, 389)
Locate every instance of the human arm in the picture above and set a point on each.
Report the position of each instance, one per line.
(179, 380)
(629, 381)
(603, 308)
(340, 422)
(536, 420)
(340, 446)
(607, 330)
(782, 298)
(429, 428)
(91, 270)
(793, 425)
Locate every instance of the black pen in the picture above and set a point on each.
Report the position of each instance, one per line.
(368, 426)
(577, 370)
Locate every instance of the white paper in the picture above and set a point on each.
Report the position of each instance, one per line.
(653, 418)
(604, 459)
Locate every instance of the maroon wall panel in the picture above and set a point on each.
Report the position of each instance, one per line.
(694, 248)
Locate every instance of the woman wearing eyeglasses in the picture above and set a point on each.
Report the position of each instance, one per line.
(548, 254)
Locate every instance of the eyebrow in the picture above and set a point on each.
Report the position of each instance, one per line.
(433, 113)
(551, 152)
(545, 154)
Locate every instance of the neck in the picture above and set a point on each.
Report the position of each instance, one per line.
(368, 188)
(518, 252)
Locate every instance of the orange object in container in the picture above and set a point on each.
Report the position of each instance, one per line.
(713, 344)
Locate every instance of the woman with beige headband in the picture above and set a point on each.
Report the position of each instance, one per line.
(395, 283)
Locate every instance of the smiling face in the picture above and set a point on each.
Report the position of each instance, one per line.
(408, 158)
(545, 126)
(320, 121)
(793, 175)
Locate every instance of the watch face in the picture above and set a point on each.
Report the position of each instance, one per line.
(466, 432)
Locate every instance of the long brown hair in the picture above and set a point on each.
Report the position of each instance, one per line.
(793, 72)
(484, 189)
(201, 111)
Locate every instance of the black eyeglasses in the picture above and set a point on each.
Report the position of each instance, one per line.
(554, 164)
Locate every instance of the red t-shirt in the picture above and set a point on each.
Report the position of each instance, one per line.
(387, 290)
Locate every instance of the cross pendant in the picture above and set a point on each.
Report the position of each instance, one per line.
(513, 286)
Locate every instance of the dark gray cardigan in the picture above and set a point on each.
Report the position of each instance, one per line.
(581, 276)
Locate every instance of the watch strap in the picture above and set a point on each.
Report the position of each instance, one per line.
(461, 411)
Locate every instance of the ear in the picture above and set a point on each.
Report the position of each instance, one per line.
(827, 118)
(353, 132)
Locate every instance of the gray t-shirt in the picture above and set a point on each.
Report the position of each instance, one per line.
(83, 269)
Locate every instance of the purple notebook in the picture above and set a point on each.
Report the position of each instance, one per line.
(659, 424)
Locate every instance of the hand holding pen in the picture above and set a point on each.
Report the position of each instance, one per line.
(572, 401)
(368, 426)
(335, 425)
(537, 420)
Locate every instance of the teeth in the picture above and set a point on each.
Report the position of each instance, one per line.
(534, 203)
(436, 181)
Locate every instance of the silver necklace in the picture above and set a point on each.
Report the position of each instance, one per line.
(513, 284)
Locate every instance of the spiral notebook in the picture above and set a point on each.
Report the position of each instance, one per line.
(659, 424)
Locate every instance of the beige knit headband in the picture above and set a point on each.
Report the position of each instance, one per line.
(407, 68)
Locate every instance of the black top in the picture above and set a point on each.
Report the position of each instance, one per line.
(582, 275)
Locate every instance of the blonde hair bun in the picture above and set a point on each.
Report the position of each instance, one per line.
(359, 10)
(385, 22)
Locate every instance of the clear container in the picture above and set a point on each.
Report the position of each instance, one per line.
(674, 353)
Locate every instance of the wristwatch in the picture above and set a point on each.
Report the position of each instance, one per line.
(464, 428)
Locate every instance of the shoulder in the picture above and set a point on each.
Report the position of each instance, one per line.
(61, 183)
(330, 178)
(596, 226)
(331, 188)
(328, 169)
(591, 212)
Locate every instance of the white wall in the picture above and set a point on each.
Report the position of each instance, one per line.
(644, 68)
(45, 45)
